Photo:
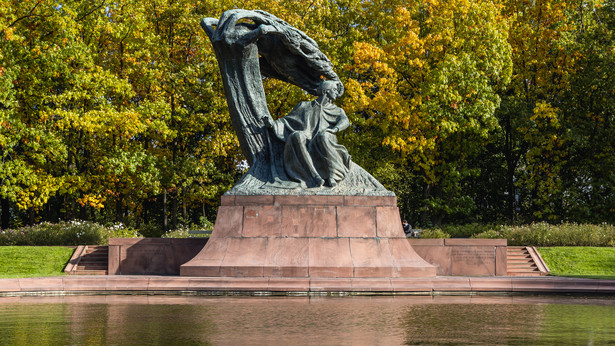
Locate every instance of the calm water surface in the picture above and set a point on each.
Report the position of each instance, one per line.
(177, 320)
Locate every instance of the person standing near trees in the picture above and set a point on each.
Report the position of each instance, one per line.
(407, 228)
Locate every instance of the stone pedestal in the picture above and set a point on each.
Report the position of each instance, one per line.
(308, 236)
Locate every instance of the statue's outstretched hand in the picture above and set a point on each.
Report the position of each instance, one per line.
(265, 28)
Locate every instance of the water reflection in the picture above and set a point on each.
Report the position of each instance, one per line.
(168, 320)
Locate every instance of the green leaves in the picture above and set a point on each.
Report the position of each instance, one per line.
(431, 89)
(468, 110)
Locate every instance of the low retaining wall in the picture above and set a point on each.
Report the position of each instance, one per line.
(151, 256)
(467, 257)
(164, 256)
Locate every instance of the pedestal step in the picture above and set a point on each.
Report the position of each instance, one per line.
(308, 236)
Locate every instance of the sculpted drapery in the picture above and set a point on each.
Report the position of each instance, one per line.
(298, 153)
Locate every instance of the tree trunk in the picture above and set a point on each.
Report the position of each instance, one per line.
(203, 205)
(175, 209)
(425, 218)
(6, 216)
(145, 204)
(165, 223)
(184, 211)
(118, 209)
(510, 171)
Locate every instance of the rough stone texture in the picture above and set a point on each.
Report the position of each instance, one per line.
(261, 221)
(501, 260)
(151, 256)
(228, 229)
(473, 260)
(356, 221)
(325, 237)
(113, 261)
(330, 258)
(287, 257)
(309, 221)
(386, 222)
(474, 257)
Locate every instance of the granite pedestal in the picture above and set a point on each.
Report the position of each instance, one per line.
(308, 236)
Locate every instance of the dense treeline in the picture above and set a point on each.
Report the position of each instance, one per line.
(470, 111)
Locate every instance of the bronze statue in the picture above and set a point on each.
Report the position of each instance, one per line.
(298, 153)
(312, 155)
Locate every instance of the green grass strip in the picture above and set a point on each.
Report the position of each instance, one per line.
(33, 261)
(580, 261)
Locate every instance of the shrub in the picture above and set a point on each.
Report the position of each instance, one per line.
(184, 233)
(565, 234)
(467, 230)
(489, 234)
(118, 230)
(434, 233)
(64, 233)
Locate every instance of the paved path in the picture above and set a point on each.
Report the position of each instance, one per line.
(142, 284)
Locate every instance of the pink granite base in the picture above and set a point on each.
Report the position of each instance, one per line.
(151, 256)
(308, 236)
(467, 257)
(152, 285)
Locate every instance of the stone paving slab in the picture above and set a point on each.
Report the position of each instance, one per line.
(9, 285)
(500, 284)
(439, 285)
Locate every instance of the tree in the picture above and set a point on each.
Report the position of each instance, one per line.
(426, 85)
(588, 116)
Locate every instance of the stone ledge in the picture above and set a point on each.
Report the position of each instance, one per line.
(114, 285)
(310, 200)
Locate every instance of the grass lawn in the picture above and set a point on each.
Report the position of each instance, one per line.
(33, 261)
(580, 261)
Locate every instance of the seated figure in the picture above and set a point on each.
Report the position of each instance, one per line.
(312, 155)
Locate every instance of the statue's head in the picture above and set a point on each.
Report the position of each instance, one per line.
(332, 88)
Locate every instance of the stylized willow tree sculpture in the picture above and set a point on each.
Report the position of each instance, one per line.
(250, 45)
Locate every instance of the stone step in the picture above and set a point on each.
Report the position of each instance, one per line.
(93, 261)
(518, 256)
(517, 253)
(521, 264)
(98, 249)
(524, 271)
(96, 255)
(521, 261)
(91, 272)
(89, 268)
(89, 260)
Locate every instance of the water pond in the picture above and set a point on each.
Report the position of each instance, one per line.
(201, 320)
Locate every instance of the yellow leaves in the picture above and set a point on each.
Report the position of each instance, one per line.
(94, 201)
(545, 116)
(403, 16)
(356, 99)
(41, 186)
(8, 33)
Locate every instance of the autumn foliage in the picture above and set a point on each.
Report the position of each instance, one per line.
(470, 111)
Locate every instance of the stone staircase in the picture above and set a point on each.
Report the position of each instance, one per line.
(88, 260)
(525, 261)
